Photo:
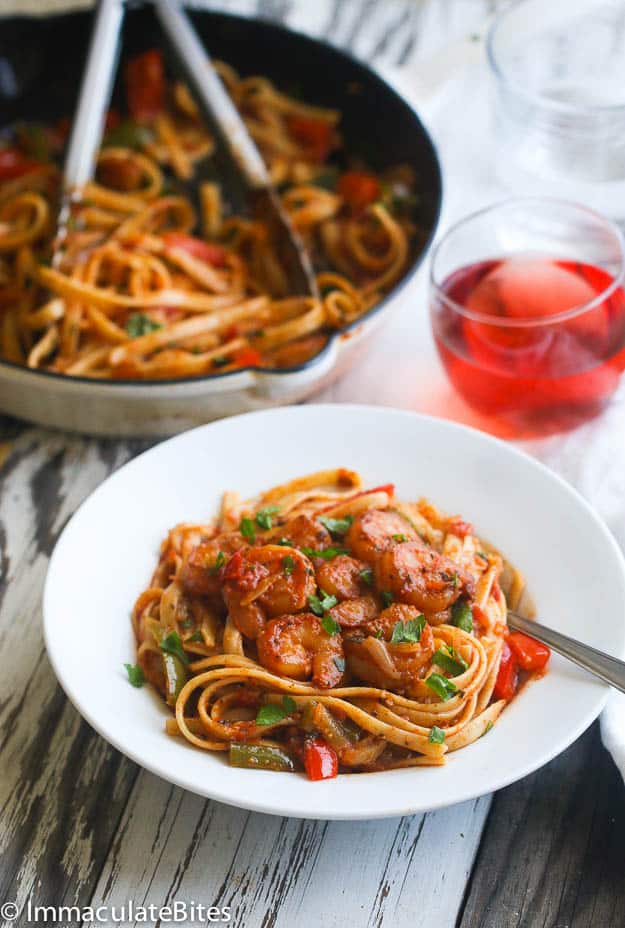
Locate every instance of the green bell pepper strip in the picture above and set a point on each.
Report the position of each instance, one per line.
(260, 757)
(175, 677)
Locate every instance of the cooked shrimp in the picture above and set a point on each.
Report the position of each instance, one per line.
(342, 577)
(355, 612)
(398, 667)
(298, 646)
(199, 574)
(376, 530)
(304, 532)
(265, 581)
(420, 576)
(180, 541)
(383, 625)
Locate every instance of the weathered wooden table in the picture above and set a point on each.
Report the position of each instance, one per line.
(82, 825)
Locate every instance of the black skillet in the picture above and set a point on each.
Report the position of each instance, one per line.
(41, 60)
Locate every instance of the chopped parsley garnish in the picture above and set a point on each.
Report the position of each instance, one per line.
(219, 563)
(221, 361)
(171, 644)
(398, 198)
(487, 728)
(246, 527)
(274, 712)
(437, 735)
(440, 685)
(336, 526)
(387, 598)
(139, 324)
(289, 565)
(399, 537)
(327, 178)
(409, 631)
(136, 676)
(461, 616)
(196, 636)
(128, 134)
(366, 576)
(483, 555)
(339, 663)
(451, 663)
(284, 542)
(33, 140)
(263, 516)
(326, 554)
(321, 604)
(379, 633)
(330, 626)
(187, 623)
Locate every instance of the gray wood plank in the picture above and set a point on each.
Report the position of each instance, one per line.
(269, 870)
(552, 852)
(62, 789)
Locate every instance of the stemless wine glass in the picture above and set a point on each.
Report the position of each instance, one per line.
(528, 312)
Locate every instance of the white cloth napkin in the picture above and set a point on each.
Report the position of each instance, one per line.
(453, 94)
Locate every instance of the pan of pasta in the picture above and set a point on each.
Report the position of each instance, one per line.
(166, 303)
(304, 611)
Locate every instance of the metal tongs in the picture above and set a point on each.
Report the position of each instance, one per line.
(90, 115)
(216, 106)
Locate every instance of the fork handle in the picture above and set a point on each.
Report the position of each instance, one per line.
(607, 668)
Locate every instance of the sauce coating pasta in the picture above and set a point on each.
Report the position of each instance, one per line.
(330, 627)
(150, 282)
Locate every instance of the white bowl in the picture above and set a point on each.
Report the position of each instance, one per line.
(105, 556)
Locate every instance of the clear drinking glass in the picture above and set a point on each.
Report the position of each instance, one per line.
(528, 313)
(559, 72)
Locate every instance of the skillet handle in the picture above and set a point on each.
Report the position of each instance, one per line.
(425, 82)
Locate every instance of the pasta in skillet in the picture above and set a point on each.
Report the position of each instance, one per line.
(147, 283)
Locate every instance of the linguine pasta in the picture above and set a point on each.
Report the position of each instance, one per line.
(151, 282)
(329, 626)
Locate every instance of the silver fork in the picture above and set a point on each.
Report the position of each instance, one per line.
(609, 669)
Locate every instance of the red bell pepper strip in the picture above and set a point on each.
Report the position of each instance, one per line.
(359, 189)
(320, 760)
(479, 616)
(459, 527)
(246, 575)
(530, 654)
(315, 134)
(507, 680)
(247, 357)
(145, 85)
(14, 163)
(205, 251)
(112, 121)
